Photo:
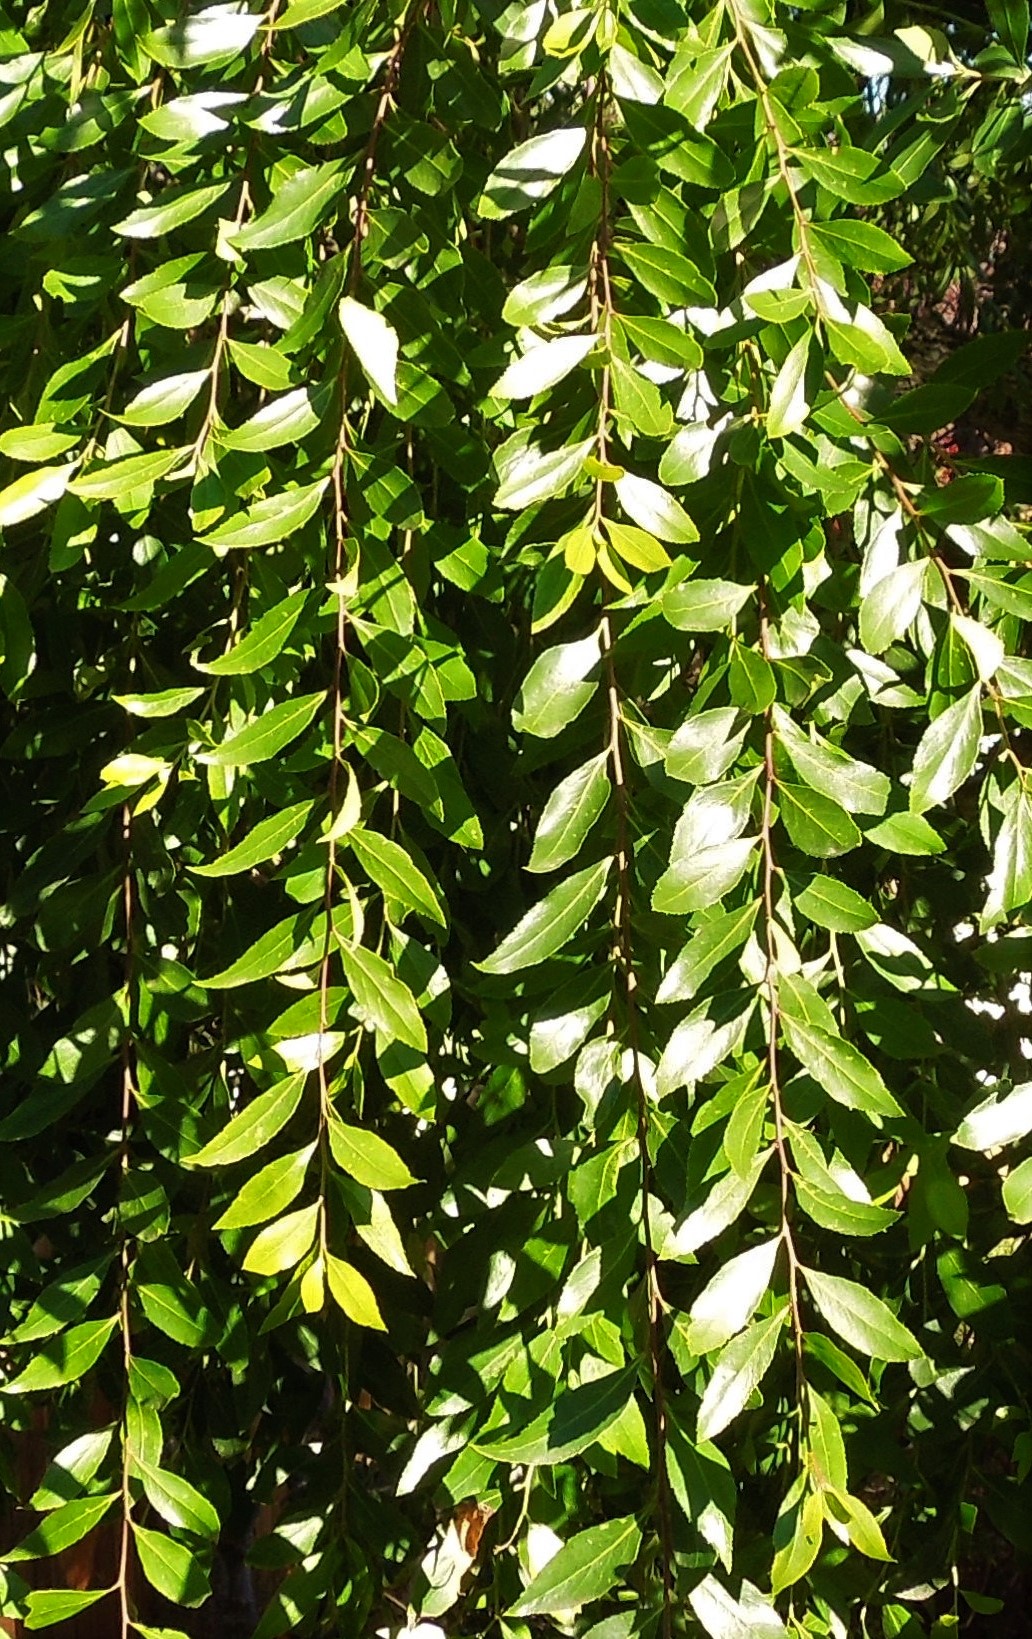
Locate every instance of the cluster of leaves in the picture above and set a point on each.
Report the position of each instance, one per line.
(516, 825)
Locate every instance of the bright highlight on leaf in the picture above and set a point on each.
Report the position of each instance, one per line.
(375, 343)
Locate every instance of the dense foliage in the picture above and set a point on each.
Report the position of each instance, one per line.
(517, 820)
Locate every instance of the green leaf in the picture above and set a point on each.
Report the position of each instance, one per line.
(71, 1187)
(395, 873)
(63, 1359)
(854, 786)
(926, 409)
(585, 1568)
(840, 1364)
(299, 204)
(530, 474)
(60, 1529)
(109, 480)
(704, 605)
(701, 1482)
(824, 1440)
(743, 1134)
(543, 366)
(835, 905)
(544, 296)
(265, 640)
(253, 1127)
(698, 1045)
(704, 878)
(637, 401)
(663, 272)
(264, 841)
(738, 1371)
(709, 945)
(696, 80)
(530, 172)
(573, 1422)
(1017, 1193)
(839, 1067)
(860, 244)
(269, 1193)
(171, 1568)
(282, 1244)
(375, 344)
(864, 1531)
(35, 444)
(178, 1502)
(164, 400)
(662, 342)
(705, 746)
(167, 703)
(632, 79)
(727, 1303)
(724, 1617)
(283, 420)
(796, 1557)
(862, 1319)
(188, 119)
(270, 521)
(263, 365)
(724, 1204)
(72, 1469)
(891, 606)
(839, 1212)
(983, 360)
(169, 1299)
(815, 823)
(32, 493)
(986, 648)
(852, 174)
(860, 338)
(789, 406)
(1010, 881)
(353, 1294)
(175, 207)
(997, 1121)
(382, 1000)
(289, 944)
(267, 735)
(967, 500)
(367, 1157)
(906, 834)
(46, 1607)
(947, 752)
(545, 928)
(555, 690)
(569, 814)
(635, 547)
(1000, 592)
(654, 509)
(375, 1225)
(563, 1026)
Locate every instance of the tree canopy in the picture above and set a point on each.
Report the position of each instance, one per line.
(517, 818)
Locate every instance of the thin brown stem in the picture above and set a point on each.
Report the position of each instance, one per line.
(602, 312)
(781, 151)
(221, 336)
(624, 961)
(367, 168)
(242, 211)
(367, 172)
(774, 1026)
(125, 1259)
